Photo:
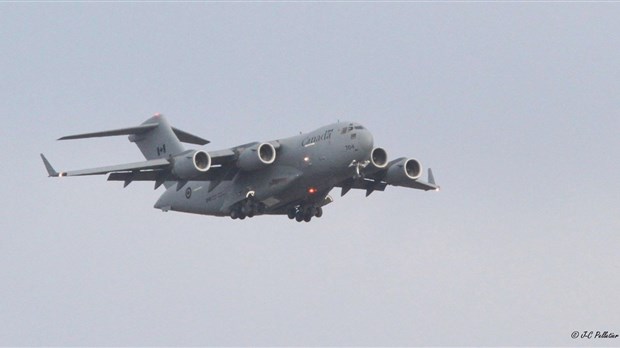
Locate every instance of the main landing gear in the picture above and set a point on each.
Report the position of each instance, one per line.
(301, 213)
(247, 208)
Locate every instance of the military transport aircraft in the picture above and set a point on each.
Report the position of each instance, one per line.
(291, 176)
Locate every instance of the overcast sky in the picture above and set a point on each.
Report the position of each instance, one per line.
(515, 106)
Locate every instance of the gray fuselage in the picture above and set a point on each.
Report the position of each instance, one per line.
(306, 168)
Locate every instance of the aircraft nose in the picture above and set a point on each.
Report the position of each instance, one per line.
(366, 141)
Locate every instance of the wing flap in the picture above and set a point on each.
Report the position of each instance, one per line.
(370, 185)
(376, 182)
(221, 157)
(129, 167)
(421, 185)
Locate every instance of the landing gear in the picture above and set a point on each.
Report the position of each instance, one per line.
(319, 212)
(304, 213)
(299, 216)
(234, 214)
(292, 212)
(248, 207)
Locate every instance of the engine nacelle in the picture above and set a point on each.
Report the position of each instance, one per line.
(192, 164)
(378, 160)
(402, 171)
(256, 157)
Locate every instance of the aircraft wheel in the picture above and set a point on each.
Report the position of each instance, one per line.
(299, 216)
(254, 208)
(319, 212)
(241, 216)
(309, 213)
(291, 213)
(234, 214)
(246, 209)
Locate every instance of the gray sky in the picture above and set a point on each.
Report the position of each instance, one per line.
(514, 106)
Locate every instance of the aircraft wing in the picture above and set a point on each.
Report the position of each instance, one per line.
(422, 185)
(157, 164)
(158, 170)
(376, 182)
(216, 166)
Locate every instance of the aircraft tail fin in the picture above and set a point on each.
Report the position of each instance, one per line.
(154, 137)
(159, 141)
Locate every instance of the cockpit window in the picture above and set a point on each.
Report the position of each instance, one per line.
(350, 128)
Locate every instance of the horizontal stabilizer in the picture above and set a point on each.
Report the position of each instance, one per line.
(123, 131)
(183, 136)
(189, 138)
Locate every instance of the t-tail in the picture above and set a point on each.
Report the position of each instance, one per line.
(154, 137)
(167, 161)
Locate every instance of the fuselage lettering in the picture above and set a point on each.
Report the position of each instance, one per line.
(316, 138)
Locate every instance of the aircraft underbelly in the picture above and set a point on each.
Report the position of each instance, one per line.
(266, 186)
(301, 174)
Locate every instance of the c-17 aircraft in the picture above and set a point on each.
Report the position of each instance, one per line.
(291, 176)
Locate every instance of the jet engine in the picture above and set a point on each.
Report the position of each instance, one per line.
(378, 157)
(256, 157)
(191, 164)
(402, 171)
(378, 160)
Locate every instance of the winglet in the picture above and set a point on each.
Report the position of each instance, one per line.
(431, 179)
(50, 170)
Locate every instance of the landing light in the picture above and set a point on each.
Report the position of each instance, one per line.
(312, 190)
(306, 159)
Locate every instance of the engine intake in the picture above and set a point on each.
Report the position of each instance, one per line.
(378, 157)
(256, 157)
(192, 164)
(402, 171)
